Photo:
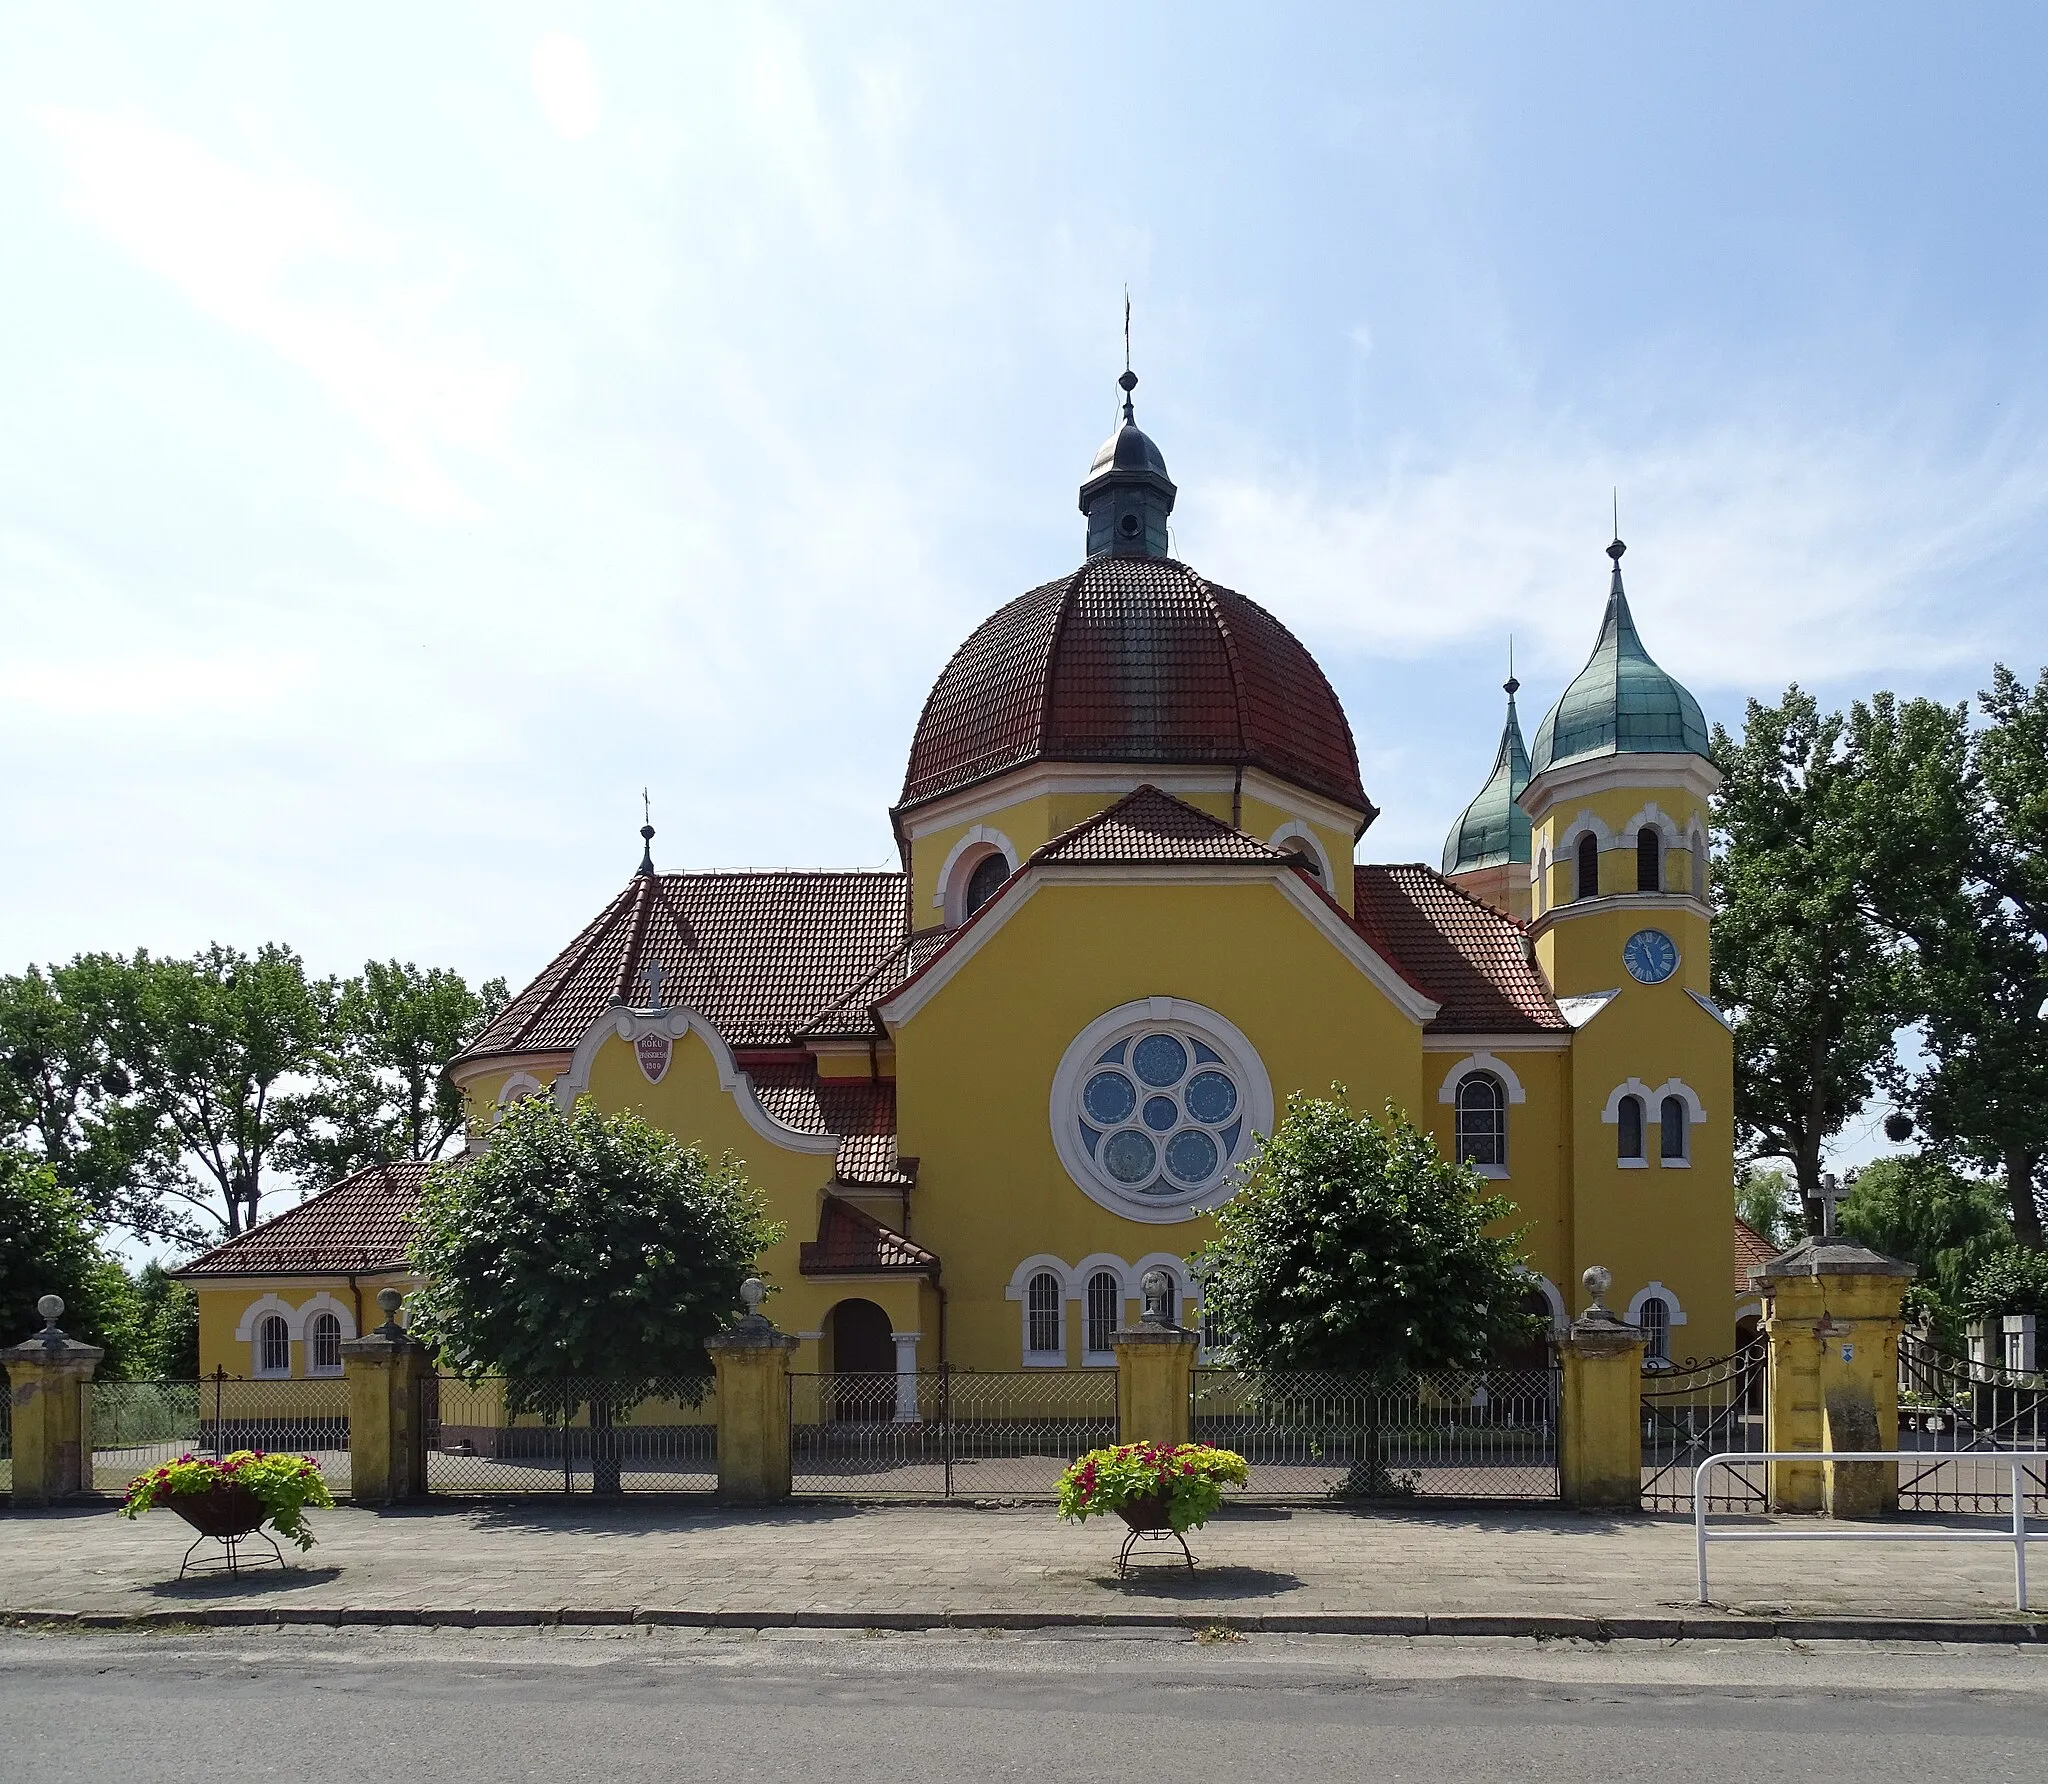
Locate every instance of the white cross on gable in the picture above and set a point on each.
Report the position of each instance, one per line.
(651, 977)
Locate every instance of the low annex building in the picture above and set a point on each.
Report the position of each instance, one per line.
(989, 1090)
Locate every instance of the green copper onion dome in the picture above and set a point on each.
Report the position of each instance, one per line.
(1493, 829)
(1621, 703)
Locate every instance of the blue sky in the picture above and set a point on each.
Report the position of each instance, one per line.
(427, 425)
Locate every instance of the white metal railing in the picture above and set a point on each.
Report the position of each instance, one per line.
(2019, 1535)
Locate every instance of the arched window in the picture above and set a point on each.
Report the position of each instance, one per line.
(1589, 867)
(1671, 1119)
(1042, 1316)
(1654, 1318)
(273, 1345)
(1649, 860)
(1483, 1121)
(1215, 1339)
(1629, 1147)
(323, 1345)
(1104, 1310)
(984, 882)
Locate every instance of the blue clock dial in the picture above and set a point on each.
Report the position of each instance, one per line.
(1650, 955)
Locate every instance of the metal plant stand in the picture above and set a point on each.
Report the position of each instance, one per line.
(1137, 1535)
(230, 1559)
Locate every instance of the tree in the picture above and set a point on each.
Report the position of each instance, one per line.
(1356, 1246)
(167, 1326)
(213, 1047)
(2010, 1281)
(1918, 1207)
(1957, 827)
(380, 1093)
(1798, 963)
(584, 1246)
(1763, 1202)
(65, 1097)
(47, 1247)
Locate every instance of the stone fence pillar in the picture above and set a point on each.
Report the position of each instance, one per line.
(1832, 1321)
(1600, 1419)
(1155, 1371)
(46, 1379)
(752, 1362)
(387, 1433)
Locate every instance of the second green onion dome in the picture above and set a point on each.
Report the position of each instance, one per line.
(1493, 829)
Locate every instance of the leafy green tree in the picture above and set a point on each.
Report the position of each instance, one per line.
(47, 1247)
(379, 1092)
(64, 1096)
(1920, 1208)
(1763, 1202)
(167, 1326)
(1804, 972)
(1956, 822)
(2011, 1281)
(586, 1247)
(1355, 1245)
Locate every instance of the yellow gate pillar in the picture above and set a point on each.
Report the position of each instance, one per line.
(1831, 1320)
(1600, 1419)
(46, 1379)
(387, 1435)
(752, 1362)
(1155, 1371)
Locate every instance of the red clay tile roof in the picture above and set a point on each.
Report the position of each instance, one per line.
(1465, 954)
(362, 1223)
(759, 954)
(1752, 1252)
(852, 1017)
(853, 1242)
(860, 1111)
(1132, 660)
(1147, 826)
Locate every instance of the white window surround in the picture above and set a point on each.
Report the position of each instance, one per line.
(1635, 1307)
(518, 1085)
(259, 1370)
(1560, 1315)
(949, 892)
(314, 1367)
(1653, 1099)
(1683, 1162)
(1019, 1290)
(1080, 1060)
(1294, 831)
(1074, 1289)
(1481, 1062)
(1654, 817)
(296, 1320)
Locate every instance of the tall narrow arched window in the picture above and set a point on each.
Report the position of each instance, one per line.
(984, 882)
(1649, 860)
(1214, 1338)
(1671, 1119)
(1104, 1310)
(323, 1345)
(1629, 1145)
(1589, 867)
(1482, 1121)
(1042, 1316)
(1654, 1320)
(273, 1345)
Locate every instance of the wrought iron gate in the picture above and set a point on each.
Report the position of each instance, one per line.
(950, 1434)
(1693, 1410)
(1958, 1409)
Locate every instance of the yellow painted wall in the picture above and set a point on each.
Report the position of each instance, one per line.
(1539, 1151)
(976, 1065)
(223, 1301)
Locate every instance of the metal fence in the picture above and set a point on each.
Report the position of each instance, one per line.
(7, 1444)
(498, 1434)
(951, 1434)
(134, 1425)
(1962, 1413)
(1693, 1410)
(1309, 1434)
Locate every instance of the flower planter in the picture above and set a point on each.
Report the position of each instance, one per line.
(227, 1513)
(229, 1499)
(1147, 1516)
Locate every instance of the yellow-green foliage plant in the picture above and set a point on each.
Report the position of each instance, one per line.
(1187, 1478)
(283, 1485)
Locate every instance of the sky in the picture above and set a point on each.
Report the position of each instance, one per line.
(424, 427)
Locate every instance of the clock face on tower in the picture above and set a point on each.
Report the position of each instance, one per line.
(1650, 955)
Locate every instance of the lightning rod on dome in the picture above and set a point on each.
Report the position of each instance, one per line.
(1617, 548)
(646, 869)
(1511, 684)
(1129, 381)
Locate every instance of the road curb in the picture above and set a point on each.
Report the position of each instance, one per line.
(1705, 1626)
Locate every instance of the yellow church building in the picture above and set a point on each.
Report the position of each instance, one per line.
(989, 1090)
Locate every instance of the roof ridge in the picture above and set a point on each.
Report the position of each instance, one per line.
(1518, 924)
(1232, 657)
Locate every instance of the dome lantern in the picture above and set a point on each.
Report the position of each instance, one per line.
(1127, 495)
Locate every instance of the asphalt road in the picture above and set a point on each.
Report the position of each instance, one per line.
(375, 1705)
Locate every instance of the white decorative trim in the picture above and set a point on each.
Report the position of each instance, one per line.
(1635, 1307)
(1684, 770)
(628, 1024)
(344, 1317)
(1079, 1060)
(1560, 1315)
(949, 892)
(254, 1320)
(1653, 1099)
(1578, 1011)
(1662, 902)
(1752, 1309)
(517, 1085)
(1019, 1291)
(1481, 1062)
(245, 1332)
(1653, 817)
(1294, 830)
(1029, 1268)
(1712, 1009)
(1545, 1041)
(1077, 1278)
(1632, 1164)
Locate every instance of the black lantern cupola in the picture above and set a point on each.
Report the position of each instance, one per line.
(1128, 495)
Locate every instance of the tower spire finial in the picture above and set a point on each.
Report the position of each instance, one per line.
(646, 869)
(1512, 686)
(1129, 381)
(1617, 548)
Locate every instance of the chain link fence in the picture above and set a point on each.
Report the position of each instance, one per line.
(952, 1434)
(499, 1434)
(1315, 1434)
(135, 1425)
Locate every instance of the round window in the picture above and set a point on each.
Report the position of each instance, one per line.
(1154, 1107)
(1130, 524)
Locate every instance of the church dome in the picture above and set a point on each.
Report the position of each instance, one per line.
(1493, 830)
(1621, 703)
(1133, 659)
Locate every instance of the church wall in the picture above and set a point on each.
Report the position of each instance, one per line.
(1616, 813)
(976, 1067)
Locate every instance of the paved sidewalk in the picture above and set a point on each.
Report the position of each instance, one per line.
(905, 1565)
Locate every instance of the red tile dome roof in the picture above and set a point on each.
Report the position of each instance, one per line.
(1133, 659)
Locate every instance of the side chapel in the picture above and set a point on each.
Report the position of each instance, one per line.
(985, 1092)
